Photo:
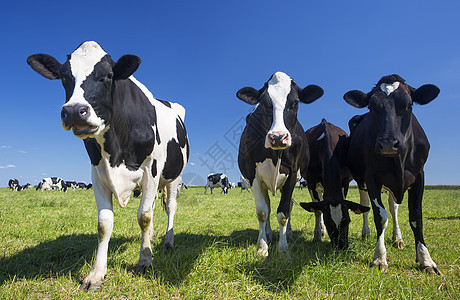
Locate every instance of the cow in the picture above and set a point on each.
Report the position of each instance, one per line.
(13, 184)
(328, 178)
(26, 186)
(133, 140)
(89, 186)
(71, 184)
(51, 183)
(302, 184)
(81, 185)
(387, 152)
(273, 148)
(244, 184)
(216, 180)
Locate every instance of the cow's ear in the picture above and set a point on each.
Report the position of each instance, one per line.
(425, 94)
(310, 93)
(126, 66)
(249, 95)
(313, 206)
(45, 65)
(356, 98)
(356, 207)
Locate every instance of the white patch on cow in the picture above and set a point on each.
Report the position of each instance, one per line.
(423, 256)
(279, 88)
(82, 62)
(388, 88)
(269, 175)
(336, 214)
(414, 224)
(383, 213)
(321, 136)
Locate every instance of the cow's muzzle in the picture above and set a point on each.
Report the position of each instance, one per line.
(75, 117)
(389, 146)
(278, 140)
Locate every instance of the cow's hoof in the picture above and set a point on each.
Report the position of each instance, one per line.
(432, 270)
(91, 286)
(284, 253)
(142, 269)
(317, 239)
(168, 246)
(398, 244)
(381, 265)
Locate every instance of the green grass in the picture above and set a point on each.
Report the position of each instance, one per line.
(48, 242)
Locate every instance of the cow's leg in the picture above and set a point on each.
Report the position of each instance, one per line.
(320, 228)
(416, 223)
(283, 214)
(103, 197)
(397, 236)
(205, 189)
(364, 200)
(145, 219)
(262, 202)
(381, 222)
(171, 207)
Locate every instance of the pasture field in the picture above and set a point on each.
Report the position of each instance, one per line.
(48, 242)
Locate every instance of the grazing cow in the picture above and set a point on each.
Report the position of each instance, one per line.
(71, 184)
(302, 184)
(50, 183)
(26, 186)
(387, 151)
(133, 140)
(244, 184)
(273, 147)
(13, 184)
(216, 180)
(328, 179)
(89, 186)
(81, 185)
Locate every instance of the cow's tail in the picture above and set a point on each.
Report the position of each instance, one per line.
(164, 196)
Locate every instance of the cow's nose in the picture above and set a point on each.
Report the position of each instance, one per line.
(74, 113)
(278, 140)
(387, 146)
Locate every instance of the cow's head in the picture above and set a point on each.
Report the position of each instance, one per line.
(390, 105)
(88, 77)
(336, 218)
(279, 100)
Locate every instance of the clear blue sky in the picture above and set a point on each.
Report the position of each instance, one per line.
(199, 53)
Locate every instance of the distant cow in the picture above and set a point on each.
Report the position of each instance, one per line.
(328, 179)
(89, 186)
(387, 152)
(302, 184)
(81, 185)
(216, 180)
(273, 147)
(134, 141)
(26, 186)
(51, 183)
(71, 184)
(13, 184)
(244, 184)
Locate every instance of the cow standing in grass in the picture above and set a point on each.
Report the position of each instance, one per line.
(273, 147)
(328, 179)
(387, 152)
(134, 141)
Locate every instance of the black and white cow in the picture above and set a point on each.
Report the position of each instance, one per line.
(13, 184)
(134, 141)
(89, 186)
(26, 186)
(217, 180)
(387, 151)
(51, 183)
(302, 184)
(328, 179)
(244, 184)
(71, 184)
(81, 185)
(273, 147)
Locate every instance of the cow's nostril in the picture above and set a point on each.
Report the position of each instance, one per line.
(83, 111)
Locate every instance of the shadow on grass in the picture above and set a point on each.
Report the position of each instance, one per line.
(68, 254)
(444, 218)
(59, 257)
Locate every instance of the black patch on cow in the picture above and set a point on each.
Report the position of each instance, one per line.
(181, 133)
(130, 138)
(154, 168)
(214, 178)
(94, 150)
(174, 160)
(157, 134)
(166, 103)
